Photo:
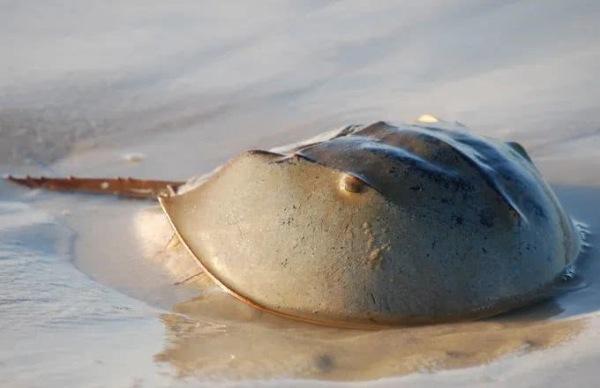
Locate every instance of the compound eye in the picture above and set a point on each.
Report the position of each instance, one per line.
(351, 184)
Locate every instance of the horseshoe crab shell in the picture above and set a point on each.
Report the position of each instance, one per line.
(379, 224)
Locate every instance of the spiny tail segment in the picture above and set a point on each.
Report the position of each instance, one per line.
(124, 187)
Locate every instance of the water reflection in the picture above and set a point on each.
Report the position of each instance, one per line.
(215, 336)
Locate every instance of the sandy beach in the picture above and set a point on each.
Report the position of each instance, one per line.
(91, 291)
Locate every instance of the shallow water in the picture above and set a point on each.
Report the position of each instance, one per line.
(87, 283)
(58, 325)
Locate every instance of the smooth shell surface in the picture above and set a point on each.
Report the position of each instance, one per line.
(380, 224)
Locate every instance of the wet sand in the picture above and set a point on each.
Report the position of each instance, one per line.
(88, 284)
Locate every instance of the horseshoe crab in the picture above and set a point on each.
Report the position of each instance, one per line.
(375, 224)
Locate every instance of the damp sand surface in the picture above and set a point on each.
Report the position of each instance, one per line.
(90, 286)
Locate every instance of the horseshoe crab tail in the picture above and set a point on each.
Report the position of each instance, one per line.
(123, 187)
